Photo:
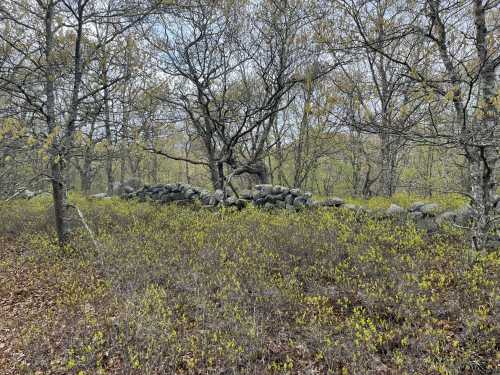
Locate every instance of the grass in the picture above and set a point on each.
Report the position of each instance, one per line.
(190, 291)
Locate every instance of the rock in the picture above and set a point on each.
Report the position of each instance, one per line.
(42, 194)
(429, 209)
(290, 207)
(28, 194)
(395, 210)
(165, 198)
(496, 204)
(281, 204)
(231, 201)
(99, 196)
(189, 194)
(266, 188)
(275, 198)
(416, 206)
(128, 186)
(205, 199)
(308, 194)
(240, 204)
(423, 221)
(309, 202)
(333, 202)
(219, 195)
(128, 189)
(134, 182)
(299, 201)
(295, 192)
(289, 199)
(416, 215)
(464, 215)
(268, 206)
(177, 196)
(246, 194)
(259, 202)
(446, 217)
(277, 190)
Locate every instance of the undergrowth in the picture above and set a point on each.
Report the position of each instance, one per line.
(186, 290)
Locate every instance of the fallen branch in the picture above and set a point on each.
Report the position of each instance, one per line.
(82, 219)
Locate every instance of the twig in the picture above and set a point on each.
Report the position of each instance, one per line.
(82, 219)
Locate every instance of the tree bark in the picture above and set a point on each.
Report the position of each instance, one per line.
(484, 155)
(56, 158)
(388, 166)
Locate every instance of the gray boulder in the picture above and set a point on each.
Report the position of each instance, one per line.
(429, 209)
(99, 196)
(281, 204)
(416, 215)
(231, 201)
(496, 204)
(333, 202)
(266, 188)
(189, 194)
(219, 195)
(289, 199)
(128, 189)
(259, 202)
(446, 217)
(300, 201)
(165, 198)
(295, 192)
(246, 194)
(395, 210)
(277, 190)
(464, 215)
(416, 206)
(205, 197)
(28, 194)
(134, 182)
(268, 206)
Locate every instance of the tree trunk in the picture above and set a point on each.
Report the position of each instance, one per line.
(483, 185)
(59, 195)
(483, 155)
(109, 140)
(86, 176)
(388, 166)
(56, 158)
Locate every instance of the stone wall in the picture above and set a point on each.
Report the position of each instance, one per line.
(263, 196)
(269, 197)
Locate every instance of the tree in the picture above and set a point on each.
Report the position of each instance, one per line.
(54, 44)
(456, 70)
(230, 88)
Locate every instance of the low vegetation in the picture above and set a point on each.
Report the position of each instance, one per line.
(187, 290)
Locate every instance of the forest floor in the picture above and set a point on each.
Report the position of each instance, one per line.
(189, 291)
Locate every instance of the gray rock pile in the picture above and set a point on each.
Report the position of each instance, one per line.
(184, 194)
(263, 196)
(431, 213)
(271, 197)
(128, 186)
